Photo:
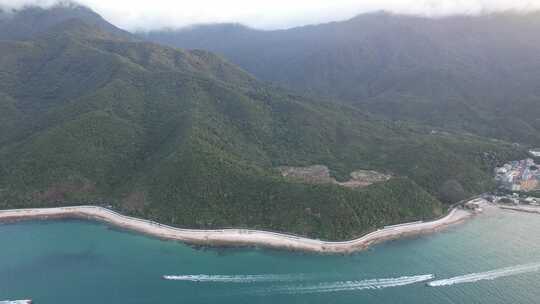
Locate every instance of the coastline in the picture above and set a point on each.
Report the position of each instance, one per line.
(238, 237)
(521, 208)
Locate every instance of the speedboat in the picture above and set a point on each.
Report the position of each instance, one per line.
(16, 302)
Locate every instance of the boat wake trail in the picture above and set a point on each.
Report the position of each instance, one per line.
(236, 278)
(351, 285)
(489, 275)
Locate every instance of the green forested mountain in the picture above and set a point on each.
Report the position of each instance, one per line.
(474, 73)
(88, 115)
(31, 21)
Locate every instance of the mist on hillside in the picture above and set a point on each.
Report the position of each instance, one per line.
(277, 14)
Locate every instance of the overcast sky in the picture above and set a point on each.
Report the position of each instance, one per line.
(272, 14)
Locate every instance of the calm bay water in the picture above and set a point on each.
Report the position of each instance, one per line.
(72, 261)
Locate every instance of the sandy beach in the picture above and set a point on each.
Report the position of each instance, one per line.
(237, 237)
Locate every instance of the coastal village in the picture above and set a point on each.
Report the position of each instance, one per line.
(518, 183)
(520, 176)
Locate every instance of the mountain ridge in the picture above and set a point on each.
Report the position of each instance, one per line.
(31, 20)
(191, 140)
(467, 73)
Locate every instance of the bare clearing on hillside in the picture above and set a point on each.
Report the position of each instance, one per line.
(319, 174)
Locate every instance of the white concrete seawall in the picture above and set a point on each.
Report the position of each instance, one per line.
(236, 237)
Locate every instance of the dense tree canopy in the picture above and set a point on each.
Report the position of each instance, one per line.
(89, 115)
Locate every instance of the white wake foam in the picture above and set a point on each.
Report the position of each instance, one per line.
(351, 285)
(236, 278)
(488, 275)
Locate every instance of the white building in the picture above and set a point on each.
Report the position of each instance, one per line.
(501, 170)
(535, 152)
(532, 200)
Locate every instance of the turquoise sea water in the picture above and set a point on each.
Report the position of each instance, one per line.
(73, 261)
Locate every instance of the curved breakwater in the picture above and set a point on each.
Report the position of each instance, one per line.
(239, 237)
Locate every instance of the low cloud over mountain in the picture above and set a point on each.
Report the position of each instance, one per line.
(147, 15)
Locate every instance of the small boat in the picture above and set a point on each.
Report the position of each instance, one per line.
(16, 302)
